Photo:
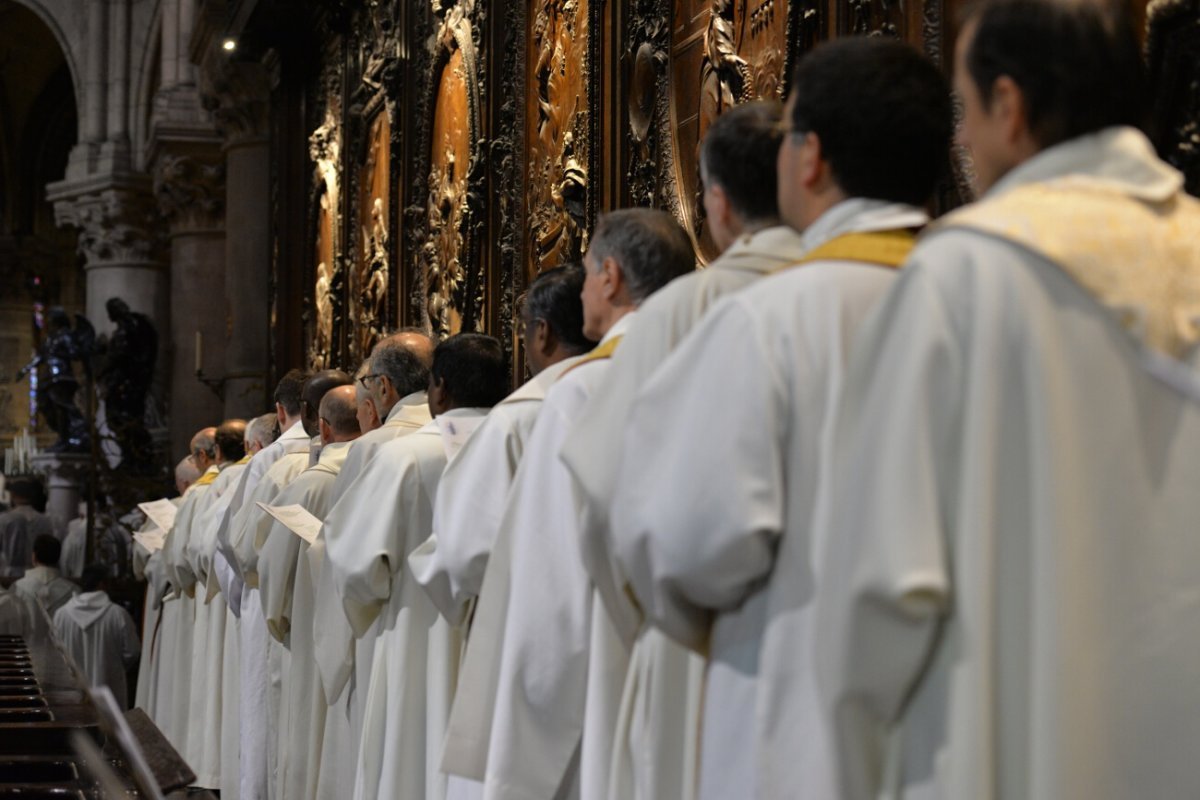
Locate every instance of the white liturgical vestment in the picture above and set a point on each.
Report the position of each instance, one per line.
(656, 740)
(415, 657)
(285, 587)
(471, 498)
(561, 663)
(47, 588)
(14, 614)
(711, 522)
(1011, 560)
(333, 640)
(101, 638)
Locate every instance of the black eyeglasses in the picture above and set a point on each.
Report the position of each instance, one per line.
(363, 380)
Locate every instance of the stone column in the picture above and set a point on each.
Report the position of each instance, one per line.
(66, 484)
(238, 94)
(189, 183)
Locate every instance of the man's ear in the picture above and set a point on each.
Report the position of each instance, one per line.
(325, 430)
(544, 340)
(614, 278)
(719, 207)
(812, 161)
(1009, 109)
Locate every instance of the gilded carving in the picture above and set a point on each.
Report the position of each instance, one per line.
(557, 120)
(739, 51)
(372, 270)
(451, 287)
(325, 150)
(875, 18)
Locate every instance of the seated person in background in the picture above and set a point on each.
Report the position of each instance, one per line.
(98, 634)
(20, 525)
(42, 587)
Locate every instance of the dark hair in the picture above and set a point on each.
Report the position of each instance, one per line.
(47, 549)
(314, 389)
(554, 297)
(341, 414)
(231, 439)
(289, 389)
(27, 489)
(402, 366)
(93, 575)
(473, 369)
(739, 154)
(648, 244)
(882, 112)
(1078, 64)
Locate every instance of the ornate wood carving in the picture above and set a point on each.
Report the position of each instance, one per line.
(451, 286)
(1173, 52)
(649, 41)
(723, 52)
(557, 118)
(325, 146)
(371, 277)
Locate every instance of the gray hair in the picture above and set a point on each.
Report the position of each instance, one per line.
(404, 367)
(186, 470)
(649, 246)
(262, 430)
(340, 412)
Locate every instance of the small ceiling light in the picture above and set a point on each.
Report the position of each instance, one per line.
(229, 45)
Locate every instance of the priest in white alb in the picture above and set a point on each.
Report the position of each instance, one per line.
(559, 661)
(396, 381)
(415, 655)
(713, 522)
(43, 587)
(471, 498)
(1011, 523)
(656, 741)
(98, 635)
(285, 586)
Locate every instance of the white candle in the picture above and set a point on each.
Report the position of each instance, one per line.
(199, 345)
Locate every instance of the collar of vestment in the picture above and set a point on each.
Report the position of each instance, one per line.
(762, 251)
(1114, 218)
(333, 455)
(535, 388)
(608, 344)
(245, 459)
(861, 215)
(888, 248)
(209, 476)
(295, 432)
(410, 411)
(42, 574)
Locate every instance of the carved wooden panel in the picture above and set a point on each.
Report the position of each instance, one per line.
(557, 135)
(1173, 51)
(325, 147)
(723, 52)
(370, 278)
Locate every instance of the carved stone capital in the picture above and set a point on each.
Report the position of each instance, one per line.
(238, 96)
(118, 221)
(190, 189)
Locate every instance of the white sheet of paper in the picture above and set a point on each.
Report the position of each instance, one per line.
(456, 431)
(296, 519)
(151, 540)
(161, 513)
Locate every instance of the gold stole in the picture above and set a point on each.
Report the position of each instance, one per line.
(1138, 259)
(207, 478)
(599, 353)
(888, 248)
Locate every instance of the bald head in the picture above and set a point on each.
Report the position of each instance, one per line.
(204, 448)
(315, 388)
(186, 473)
(399, 367)
(339, 415)
(231, 440)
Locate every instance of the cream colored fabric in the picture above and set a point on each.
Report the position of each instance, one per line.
(1010, 570)
(712, 510)
(415, 655)
(559, 673)
(654, 754)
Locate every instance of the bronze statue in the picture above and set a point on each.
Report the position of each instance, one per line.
(57, 385)
(130, 356)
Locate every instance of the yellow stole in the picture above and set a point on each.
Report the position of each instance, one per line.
(1138, 259)
(888, 248)
(599, 353)
(207, 478)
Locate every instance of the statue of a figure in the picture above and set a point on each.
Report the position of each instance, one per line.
(57, 385)
(128, 366)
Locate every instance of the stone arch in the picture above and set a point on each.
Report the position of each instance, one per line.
(50, 19)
